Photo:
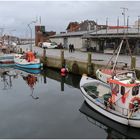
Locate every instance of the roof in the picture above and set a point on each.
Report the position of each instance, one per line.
(116, 31)
(72, 24)
(78, 33)
(131, 32)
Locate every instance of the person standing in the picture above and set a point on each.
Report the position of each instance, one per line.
(73, 49)
(70, 48)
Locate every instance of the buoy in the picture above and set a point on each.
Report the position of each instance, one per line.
(64, 70)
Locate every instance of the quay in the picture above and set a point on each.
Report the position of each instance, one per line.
(78, 62)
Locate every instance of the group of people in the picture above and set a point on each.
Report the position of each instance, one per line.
(71, 48)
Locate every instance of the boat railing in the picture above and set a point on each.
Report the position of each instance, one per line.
(122, 110)
(113, 106)
(127, 112)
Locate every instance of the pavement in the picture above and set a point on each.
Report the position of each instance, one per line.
(99, 58)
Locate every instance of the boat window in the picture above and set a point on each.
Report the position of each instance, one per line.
(114, 88)
(135, 90)
(122, 90)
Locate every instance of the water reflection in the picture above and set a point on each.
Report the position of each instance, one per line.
(6, 75)
(113, 129)
(69, 79)
(31, 81)
(30, 76)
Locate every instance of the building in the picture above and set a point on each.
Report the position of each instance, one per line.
(85, 25)
(74, 38)
(41, 35)
(99, 39)
(75, 32)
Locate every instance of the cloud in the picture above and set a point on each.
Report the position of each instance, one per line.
(56, 15)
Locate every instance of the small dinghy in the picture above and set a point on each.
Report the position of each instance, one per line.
(118, 100)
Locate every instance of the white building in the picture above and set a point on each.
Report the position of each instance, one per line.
(75, 38)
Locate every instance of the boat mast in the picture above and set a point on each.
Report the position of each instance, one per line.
(117, 56)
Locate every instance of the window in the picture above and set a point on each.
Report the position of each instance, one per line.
(114, 88)
(122, 90)
(135, 90)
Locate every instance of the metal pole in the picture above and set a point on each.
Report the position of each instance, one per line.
(106, 25)
(31, 37)
(117, 25)
(138, 23)
(127, 23)
(96, 26)
(123, 13)
(31, 33)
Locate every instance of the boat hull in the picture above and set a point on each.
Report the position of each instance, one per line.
(7, 59)
(29, 66)
(116, 128)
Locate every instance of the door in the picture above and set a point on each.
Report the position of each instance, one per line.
(65, 42)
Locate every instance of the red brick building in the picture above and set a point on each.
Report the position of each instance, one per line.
(41, 35)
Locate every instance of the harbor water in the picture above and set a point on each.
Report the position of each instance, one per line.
(45, 104)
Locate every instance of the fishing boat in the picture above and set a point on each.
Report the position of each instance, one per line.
(27, 60)
(118, 100)
(115, 67)
(6, 58)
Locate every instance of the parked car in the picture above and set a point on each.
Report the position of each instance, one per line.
(49, 45)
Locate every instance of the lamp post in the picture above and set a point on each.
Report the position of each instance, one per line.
(31, 33)
(138, 24)
(123, 13)
(127, 23)
(106, 25)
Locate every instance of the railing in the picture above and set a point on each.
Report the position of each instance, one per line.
(107, 104)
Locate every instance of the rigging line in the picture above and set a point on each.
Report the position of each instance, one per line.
(112, 57)
(129, 48)
(118, 55)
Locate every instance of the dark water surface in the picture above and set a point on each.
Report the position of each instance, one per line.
(48, 105)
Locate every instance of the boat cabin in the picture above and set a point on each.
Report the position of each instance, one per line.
(125, 91)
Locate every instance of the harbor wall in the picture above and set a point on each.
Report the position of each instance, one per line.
(77, 66)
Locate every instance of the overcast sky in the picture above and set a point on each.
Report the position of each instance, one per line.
(56, 15)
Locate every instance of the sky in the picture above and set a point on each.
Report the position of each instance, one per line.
(56, 15)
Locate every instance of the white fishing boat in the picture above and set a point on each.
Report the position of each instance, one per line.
(27, 60)
(116, 67)
(118, 100)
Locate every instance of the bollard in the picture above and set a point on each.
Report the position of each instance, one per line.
(133, 62)
(89, 65)
(62, 59)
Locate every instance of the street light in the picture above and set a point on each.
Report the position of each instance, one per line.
(127, 23)
(31, 32)
(123, 13)
(138, 23)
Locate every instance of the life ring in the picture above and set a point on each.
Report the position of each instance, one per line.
(134, 104)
